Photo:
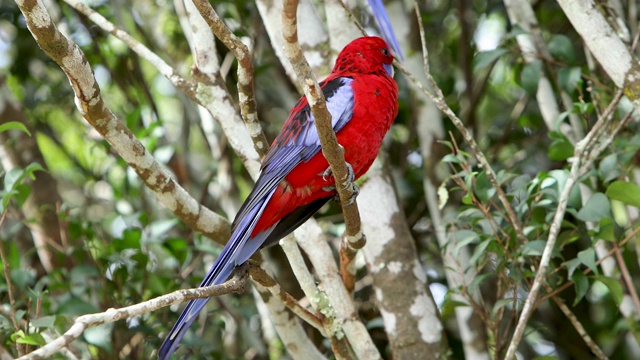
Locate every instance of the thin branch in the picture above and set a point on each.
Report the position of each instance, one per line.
(234, 285)
(339, 344)
(260, 276)
(624, 270)
(300, 270)
(331, 150)
(438, 99)
(245, 74)
(579, 328)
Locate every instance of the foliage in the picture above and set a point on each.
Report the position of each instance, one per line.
(120, 246)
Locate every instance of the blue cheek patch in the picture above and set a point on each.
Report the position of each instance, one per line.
(389, 69)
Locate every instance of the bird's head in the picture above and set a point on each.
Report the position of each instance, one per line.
(365, 55)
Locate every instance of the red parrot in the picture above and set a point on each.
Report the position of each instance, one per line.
(294, 181)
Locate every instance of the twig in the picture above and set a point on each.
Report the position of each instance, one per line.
(339, 344)
(300, 270)
(331, 150)
(234, 285)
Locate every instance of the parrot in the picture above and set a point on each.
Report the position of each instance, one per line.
(295, 180)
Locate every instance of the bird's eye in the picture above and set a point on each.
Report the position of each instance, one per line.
(385, 52)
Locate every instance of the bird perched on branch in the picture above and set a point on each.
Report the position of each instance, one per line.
(295, 178)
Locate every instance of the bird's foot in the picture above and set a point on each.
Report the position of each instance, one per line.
(351, 175)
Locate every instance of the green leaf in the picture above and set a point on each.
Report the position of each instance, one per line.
(486, 58)
(530, 76)
(443, 195)
(583, 108)
(626, 192)
(15, 175)
(44, 322)
(31, 169)
(614, 287)
(75, 307)
(479, 251)
(159, 229)
(483, 188)
(99, 336)
(463, 238)
(14, 125)
(533, 248)
(12, 177)
(130, 239)
(450, 304)
(449, 158)
(608, 168)
(581, 283)
(473, 287)
(500, 304)
(588, 257)
(561, 148)
(596, 208)
(31, 339)
(561, 48)
(606, 230)
(178, 247)
(21, 277)
(569, 78)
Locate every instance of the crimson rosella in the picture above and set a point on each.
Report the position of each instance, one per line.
(294, 182)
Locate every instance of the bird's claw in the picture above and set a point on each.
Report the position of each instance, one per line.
(326, 174)
(351, 176)
(356, 192)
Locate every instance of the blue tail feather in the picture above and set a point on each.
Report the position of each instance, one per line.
(219, 273)
(239, 248)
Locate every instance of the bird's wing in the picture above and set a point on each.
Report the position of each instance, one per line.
(298, 141)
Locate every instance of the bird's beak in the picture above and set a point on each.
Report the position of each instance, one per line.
(389, 69)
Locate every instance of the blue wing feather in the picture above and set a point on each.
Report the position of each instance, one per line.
(297, 142)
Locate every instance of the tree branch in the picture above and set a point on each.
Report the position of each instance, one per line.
(208, 93)
(234, 285)
(92, 107)
(331, 150)
(260, 276)
(245, 74)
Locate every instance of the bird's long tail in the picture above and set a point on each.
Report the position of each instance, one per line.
(238, 250)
